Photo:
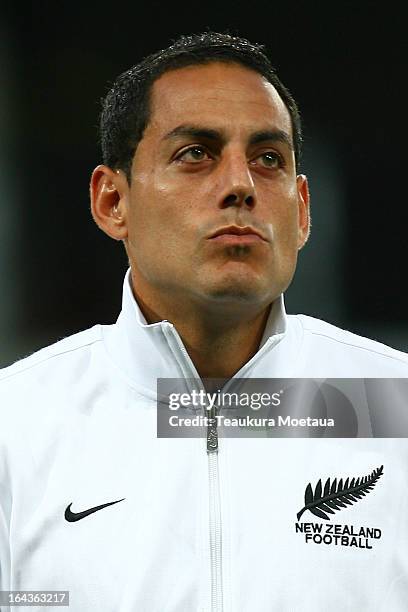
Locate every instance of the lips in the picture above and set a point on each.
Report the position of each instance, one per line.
(236, 230)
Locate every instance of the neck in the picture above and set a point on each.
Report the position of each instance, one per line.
(219, 341)
(220, 353)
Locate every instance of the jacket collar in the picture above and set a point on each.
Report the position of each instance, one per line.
(147, 351)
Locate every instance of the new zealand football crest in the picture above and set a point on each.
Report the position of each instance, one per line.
(334, 496)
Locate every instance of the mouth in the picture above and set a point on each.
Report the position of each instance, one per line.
(234, 234)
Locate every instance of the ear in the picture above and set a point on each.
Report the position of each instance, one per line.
(109, 191)
(304, 210)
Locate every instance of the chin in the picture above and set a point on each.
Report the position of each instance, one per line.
(241, 284)
(236, 292)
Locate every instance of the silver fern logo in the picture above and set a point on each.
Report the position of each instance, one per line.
(334, 496)
(337, 495)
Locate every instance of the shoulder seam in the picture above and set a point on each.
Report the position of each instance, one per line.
(358, 346)
(46, 358)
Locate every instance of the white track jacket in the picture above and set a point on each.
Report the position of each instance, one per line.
(191, 530)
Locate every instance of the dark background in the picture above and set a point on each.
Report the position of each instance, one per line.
(344, 62)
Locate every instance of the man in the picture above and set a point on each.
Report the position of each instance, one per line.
(201, 144)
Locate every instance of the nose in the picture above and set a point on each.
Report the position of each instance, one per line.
(238, 187)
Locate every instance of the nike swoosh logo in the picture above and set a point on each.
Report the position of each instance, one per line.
(71, 517)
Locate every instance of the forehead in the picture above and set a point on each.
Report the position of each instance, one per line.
(219, 94)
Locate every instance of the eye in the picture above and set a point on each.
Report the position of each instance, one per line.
(270, 160)
(193, 155)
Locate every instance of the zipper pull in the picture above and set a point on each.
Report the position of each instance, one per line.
(212, 433)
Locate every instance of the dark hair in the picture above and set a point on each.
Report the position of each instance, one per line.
(126, 108)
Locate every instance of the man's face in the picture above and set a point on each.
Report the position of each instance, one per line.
(216, 156)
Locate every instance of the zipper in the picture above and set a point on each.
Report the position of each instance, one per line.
(215, 526)
(213, 468)
(215, 532)
(215, 513)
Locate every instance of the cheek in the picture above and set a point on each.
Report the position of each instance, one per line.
(156, 228)
(286, 220)
(285, 237)
(149, 207)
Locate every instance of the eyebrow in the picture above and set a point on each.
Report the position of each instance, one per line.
(272, 136)
(192, 131)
